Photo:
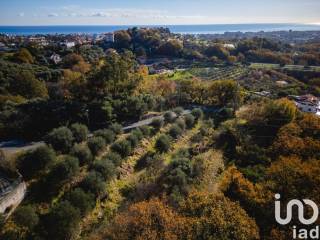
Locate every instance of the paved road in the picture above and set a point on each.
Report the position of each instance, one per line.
(148, 121)
(10, 148)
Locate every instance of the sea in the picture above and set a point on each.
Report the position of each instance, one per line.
(182, 29)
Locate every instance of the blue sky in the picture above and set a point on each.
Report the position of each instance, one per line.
(140, 12)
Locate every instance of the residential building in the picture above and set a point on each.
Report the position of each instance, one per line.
(307, 103)
(109, 37)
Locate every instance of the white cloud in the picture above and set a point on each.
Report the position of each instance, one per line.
(53, 15)
(21, 14)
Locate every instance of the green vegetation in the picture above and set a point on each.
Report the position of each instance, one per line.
(222, 141)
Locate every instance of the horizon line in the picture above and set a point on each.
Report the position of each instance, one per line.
(142, 25)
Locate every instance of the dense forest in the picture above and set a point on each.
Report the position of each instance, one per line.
(206, 166)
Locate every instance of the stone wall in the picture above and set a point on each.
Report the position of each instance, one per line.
(11, 200)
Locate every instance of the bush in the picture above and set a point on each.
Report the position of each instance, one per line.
(115, 158)
(190, 120)
(178, 111)
(138, 134)
(80, 132)
(64, 170)
(94, 183)
(122, 147)
(33, 161)
(169, 117)
(133, 140)
(107, 134)
(116, 128)
(83, 153)
(61, 139)
(81, 200)
(62, 221)
(163, 143)
(175, 131)
(157, 123)
(146, 131)
(181, 123)
(105, 168)
(26, 216)
(197, 113)
(96, 144)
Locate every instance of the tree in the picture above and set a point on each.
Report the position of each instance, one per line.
(63, 171)
(105, 168)
(189, 120)
(116, 128)
(33, 161)
(157, 123)
(163, 143)
(25, 84)
(107, 134)
(81, 200)
(175, 131)
(79, 131)
(94, 183)
(171, 48)
(169, 117)
(217, 51)
(122, 39)
(96, 144)
(26, 216)
(147, 220)
(123, 148)
(216, 217)
(61, 139)
(62, 221)
(24, 56)
(83, 153)
(197, 113)
(223, 92)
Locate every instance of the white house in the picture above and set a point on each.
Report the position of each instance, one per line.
(307, 103)
(68, 44)
(109, 37)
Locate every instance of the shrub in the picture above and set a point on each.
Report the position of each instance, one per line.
(157, 123)
(163, 143)
(80, 132)
(96, 144)
(175, 131)
(115, 158)
(181, 123)
(105, 168)
(33, 161)
(61, 139)
(94, 183)
(81, 200)
(83, 153)
(169, 117)
(197, 113)
(107, 134)
(116, 128)
(26, 216)
(146, 131)
(133, 140)
(62, 221)
(137, 133)
(122, 147)
(189, 119)
(64, 170)
(178, 111)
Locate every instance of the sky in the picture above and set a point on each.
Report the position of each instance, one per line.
(157, 12)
